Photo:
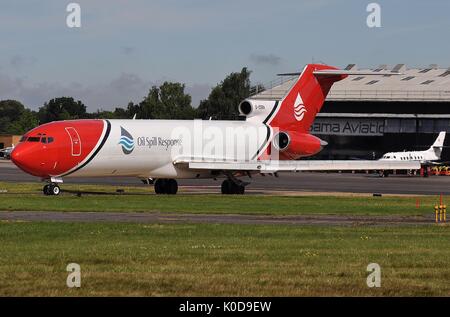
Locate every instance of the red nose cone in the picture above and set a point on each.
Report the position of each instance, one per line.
(28, 158)
(23, 160)
(15, 157)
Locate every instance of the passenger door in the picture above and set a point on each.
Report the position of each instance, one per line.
(75, 140)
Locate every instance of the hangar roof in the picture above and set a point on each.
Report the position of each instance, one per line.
(430, 83)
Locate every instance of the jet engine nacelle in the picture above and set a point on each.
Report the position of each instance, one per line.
(292, 145)
(252, 108)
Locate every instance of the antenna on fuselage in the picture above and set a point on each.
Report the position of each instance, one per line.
(134, 117)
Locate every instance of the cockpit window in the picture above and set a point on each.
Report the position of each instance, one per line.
(23, 138)
(46, 140)
(34, 139)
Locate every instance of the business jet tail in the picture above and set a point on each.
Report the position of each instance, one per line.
(437, 146)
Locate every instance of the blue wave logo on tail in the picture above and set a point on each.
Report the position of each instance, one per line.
(127, 141)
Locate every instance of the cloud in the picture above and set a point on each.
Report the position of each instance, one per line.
(116, 93)
(127, 50)
(265, 59)
(19, 61)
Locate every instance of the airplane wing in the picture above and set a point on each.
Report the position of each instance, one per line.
(434, 163)
(296, 166)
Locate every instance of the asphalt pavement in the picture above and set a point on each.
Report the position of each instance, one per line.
(302, 182)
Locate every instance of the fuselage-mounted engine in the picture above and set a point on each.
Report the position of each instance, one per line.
(291, 145)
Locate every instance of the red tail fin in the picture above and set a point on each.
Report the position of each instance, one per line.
(301, 104)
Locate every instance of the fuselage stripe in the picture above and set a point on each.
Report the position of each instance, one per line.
(271, 113)
(268, 130)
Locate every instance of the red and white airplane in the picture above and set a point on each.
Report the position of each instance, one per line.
(271, 139)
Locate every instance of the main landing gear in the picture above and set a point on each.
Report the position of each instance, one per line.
(233, 185)
(51, 190)
(383, 173)
(166, 186)
(170, 187)
(231, 188)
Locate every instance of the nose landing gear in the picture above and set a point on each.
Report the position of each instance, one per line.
(51, 190)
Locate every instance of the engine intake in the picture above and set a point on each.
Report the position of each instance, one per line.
(255, 108)
(245, 107)
(281, 141)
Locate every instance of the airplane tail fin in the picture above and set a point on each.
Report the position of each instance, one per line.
(304, 100)
(438, 144)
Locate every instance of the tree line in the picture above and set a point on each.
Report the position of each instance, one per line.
(167, 101)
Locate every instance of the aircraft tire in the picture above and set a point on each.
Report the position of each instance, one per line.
(54, 189)
(230, 188)
(46, 190)
(171, 187)
(237, 189)
(226, 187)
(160, 186)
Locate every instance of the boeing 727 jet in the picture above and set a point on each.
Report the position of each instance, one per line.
(274, 136)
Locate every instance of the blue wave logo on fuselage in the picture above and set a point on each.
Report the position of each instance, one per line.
(127, 141)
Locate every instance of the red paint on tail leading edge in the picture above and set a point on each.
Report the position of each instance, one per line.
(301, 104)
(298, 109)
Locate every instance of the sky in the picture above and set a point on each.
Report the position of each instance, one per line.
(123, 47)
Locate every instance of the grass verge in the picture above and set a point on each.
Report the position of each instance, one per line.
(28, 197)
(221, 260)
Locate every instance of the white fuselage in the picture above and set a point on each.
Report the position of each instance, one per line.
(430, 155)
(156, 144)
(420, 156)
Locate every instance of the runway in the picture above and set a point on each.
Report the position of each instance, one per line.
(132, 217)
(292, 182)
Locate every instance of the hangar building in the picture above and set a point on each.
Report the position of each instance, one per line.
(366, 116)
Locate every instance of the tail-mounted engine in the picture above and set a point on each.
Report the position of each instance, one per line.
(256, 109)
(293, 145)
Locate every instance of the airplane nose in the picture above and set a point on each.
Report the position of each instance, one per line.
(23, 158)
(15, 156)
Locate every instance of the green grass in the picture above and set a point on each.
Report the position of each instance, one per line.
(27, 197)
(228, 260)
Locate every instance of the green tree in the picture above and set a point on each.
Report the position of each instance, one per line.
(102, 114)
(128, 113)
(64, 108)
(118, 113)
(15, 118)
(27, 121)
(223, 101)
(168, 101)
(10, 111)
